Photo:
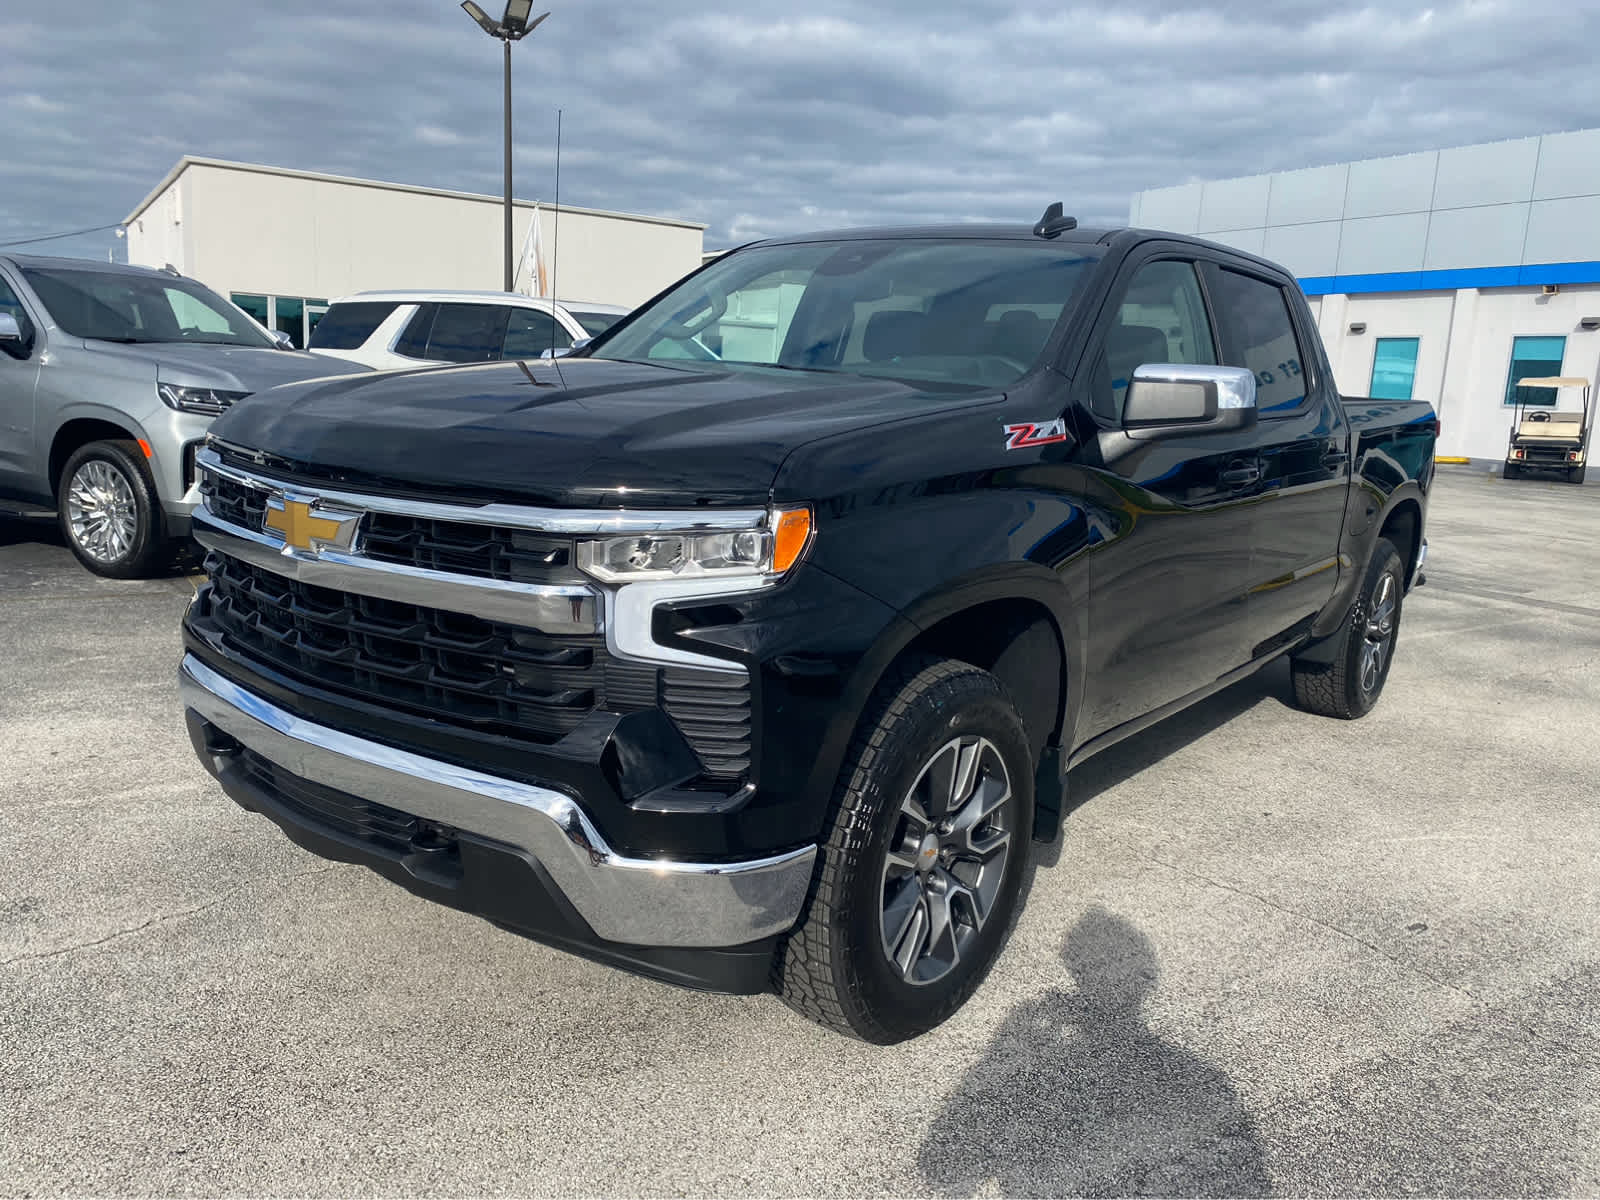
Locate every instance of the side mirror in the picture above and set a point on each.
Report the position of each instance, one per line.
(281, 339)
(12, 339)
(563, 351)
(1166, 399)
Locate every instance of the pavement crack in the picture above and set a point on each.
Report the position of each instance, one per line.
(162, 919)
(1408, 967)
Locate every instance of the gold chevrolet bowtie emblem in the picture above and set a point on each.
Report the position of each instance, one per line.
(303, 529)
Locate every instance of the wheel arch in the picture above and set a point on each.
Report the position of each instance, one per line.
(77, 433)
(1014, 621)
(1402, 525)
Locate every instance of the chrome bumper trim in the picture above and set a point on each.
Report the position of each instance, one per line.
(634, 901)
(548, 608)
(516, 516)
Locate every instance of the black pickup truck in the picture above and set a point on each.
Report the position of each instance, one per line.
(749, 647)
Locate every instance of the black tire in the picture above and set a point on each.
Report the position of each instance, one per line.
(1577, 473)
(835, 968)
(120, 535)
(1511, 472)
(1349, 686)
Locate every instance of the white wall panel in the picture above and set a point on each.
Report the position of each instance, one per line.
(1381, 187)
(1299, 197)
(1174, 208)
(1306, 250)
(1380, 244)
(1476, 237)
(1234, 204)
(1569, 165)
(1496, 173)
(1564, 231)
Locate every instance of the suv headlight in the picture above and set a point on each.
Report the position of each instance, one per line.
(208, 402)
(770, 550)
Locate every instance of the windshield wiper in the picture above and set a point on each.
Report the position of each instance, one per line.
(125, 341)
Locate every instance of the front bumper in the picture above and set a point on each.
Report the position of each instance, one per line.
(616, 902)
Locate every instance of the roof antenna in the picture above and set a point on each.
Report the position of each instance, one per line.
(555, 250)
(1054, 223)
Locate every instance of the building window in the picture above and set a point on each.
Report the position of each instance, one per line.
(1394, 368)
(295, 315)
(1532, 358)
(256, 306)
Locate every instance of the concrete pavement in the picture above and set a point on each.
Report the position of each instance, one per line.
(1273, 954)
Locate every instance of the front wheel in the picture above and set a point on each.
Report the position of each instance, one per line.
(109, 513)
(1349, 685)
(920, 875)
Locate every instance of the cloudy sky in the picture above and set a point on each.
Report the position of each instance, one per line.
(763, 117)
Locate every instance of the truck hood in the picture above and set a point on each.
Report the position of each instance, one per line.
(575, 432)
(229, 368)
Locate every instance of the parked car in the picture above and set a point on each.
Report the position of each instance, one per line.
(762, 672)
(407, 329)
(109, 378)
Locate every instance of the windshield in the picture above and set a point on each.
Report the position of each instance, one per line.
(953, 312)
(594, 323)
(140, 308)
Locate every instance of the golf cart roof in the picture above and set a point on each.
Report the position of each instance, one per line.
(1554, 381)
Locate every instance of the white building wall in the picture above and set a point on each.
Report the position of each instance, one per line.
(1464, 351)
(1451, 247)
(289, 234)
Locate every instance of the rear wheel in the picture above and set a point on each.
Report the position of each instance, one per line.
(1512, 471)
(921, 872)
(1576, 474)
(109, 514)
(1349, 685)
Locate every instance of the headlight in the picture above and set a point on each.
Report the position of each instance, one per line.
(769, 550)
(208, 402)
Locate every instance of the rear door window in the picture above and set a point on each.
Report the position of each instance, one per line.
(468, 333)
(348, 326)
(1261, 339)
(530, 333)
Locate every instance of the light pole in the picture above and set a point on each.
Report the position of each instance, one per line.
(512, 27)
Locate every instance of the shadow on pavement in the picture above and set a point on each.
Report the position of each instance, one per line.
(1126, 759)
(1077, 1096)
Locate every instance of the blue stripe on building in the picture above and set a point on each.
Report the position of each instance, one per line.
(1445, 281)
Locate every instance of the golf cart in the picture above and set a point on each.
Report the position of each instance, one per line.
(1543, 439)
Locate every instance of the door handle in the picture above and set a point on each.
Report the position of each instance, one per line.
(1335, 458)
(1241, 476)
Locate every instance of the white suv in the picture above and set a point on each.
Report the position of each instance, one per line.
(408, 329)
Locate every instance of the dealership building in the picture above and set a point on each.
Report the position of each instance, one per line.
(1444, 276)
(283, 243)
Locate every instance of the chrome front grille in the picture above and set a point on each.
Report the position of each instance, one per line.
(469, 622)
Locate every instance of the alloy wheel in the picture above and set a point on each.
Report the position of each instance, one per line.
(946, 859)
(1379, 633)
(101, 511)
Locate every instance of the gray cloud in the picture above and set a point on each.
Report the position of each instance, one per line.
(761, 117)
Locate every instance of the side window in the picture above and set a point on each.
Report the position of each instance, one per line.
(11, 306)
(413, 343)
(348, 326)
(1256, 313)
(529, 333)
(468, 333)
(1162, 319)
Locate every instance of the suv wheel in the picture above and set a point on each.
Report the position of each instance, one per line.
(1349, 686)
(920, 875)
(108, 511)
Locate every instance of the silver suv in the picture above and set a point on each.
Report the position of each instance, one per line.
(109, 378)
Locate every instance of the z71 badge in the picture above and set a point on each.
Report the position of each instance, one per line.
(1020, 437)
